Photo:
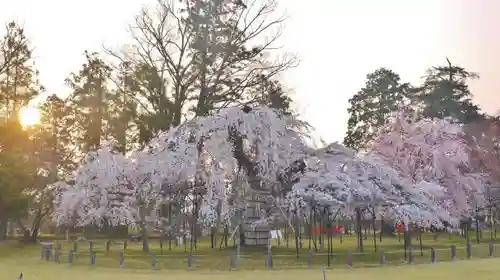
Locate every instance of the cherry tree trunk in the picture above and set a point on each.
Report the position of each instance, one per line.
(359, 230)
(144, 238)
(3, 228)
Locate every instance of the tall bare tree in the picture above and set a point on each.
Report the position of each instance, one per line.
(192, 57)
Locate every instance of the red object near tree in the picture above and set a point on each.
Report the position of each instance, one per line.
(400, 228)
(337, 229)
(317, 231)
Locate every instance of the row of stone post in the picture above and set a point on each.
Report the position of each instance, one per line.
(48, 253)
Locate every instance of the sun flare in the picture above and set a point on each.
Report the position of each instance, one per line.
(29, 116)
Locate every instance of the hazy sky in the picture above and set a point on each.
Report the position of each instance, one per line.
(338, 42)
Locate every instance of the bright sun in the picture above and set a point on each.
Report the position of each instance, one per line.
(29, 116)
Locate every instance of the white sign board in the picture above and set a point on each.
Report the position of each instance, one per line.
(275, 234)
(180, 240)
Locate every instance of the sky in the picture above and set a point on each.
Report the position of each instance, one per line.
(337, 41)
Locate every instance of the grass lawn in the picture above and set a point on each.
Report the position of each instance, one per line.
(33, 269)
(16, 258)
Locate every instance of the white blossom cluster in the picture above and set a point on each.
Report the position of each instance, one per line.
(415, 172)
(433, 151)
(193, 162)
(340, 180)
